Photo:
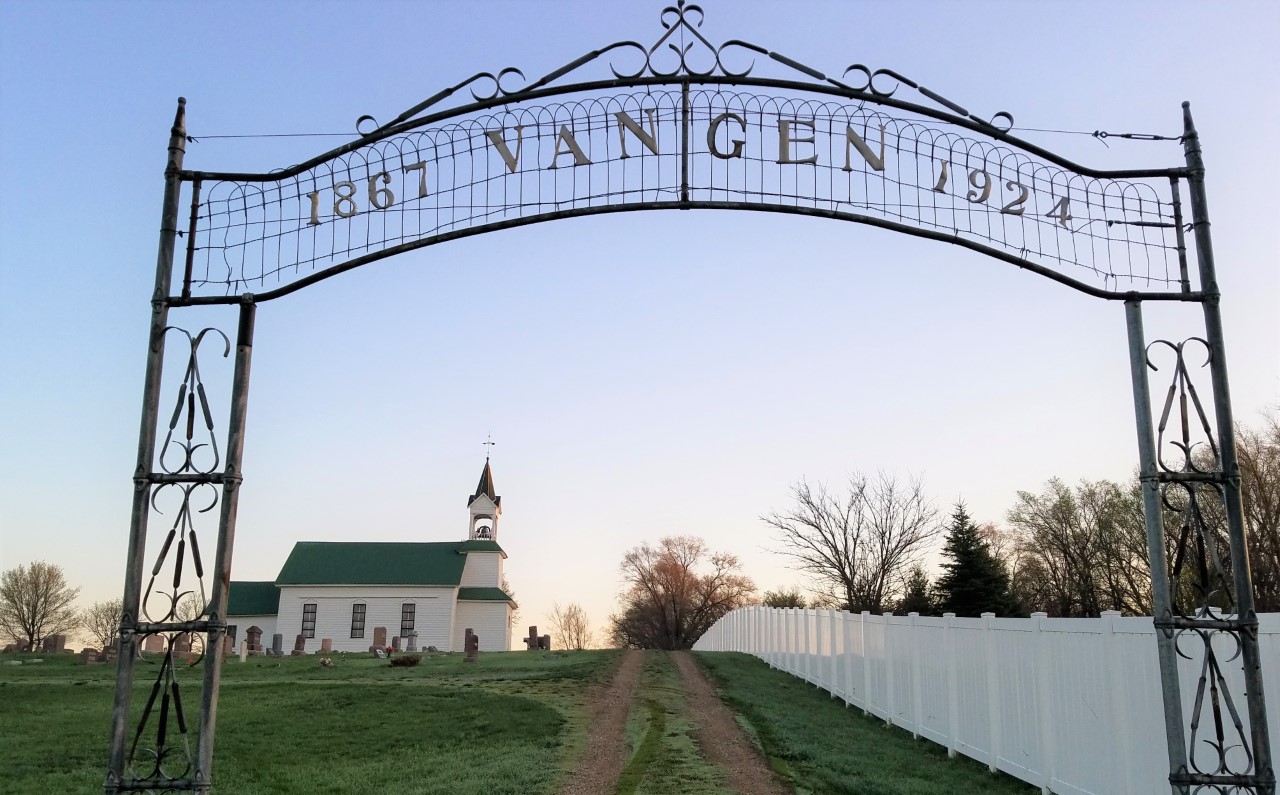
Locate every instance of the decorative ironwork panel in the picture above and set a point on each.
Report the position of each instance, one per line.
(1207, 626)
(170, 632)
(683, 129)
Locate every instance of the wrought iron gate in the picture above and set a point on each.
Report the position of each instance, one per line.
(685, 124)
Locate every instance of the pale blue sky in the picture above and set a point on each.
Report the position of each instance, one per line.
(642, 374)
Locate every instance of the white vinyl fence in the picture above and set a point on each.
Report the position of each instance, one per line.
(1068, 704)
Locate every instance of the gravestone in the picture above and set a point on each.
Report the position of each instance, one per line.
(11, 647)
(54, 644)
(244, 650)
(395, 643)
(182, 643)
(277, 645)
(24, 646)
(88, 656)
(326, 646)
(299, 645)
(253, 637)
(472, 645)
(533, 642)
(411, 640)
(228, 646)
(377, 652)
(544, 643)
(380, 637)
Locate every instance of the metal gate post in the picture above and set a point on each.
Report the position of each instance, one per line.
(1246, 623)
(1161, 596)
(231, 479)
(127, 642)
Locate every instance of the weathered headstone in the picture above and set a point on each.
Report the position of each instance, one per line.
(326, 645)
(24, 645)
(377, 652)
(244, 650)
(531, 642)
(380, 637)
(544, 643)
(54, 644)
(253, 637)
(88, 656)
(299, 645)
(277, 645)
(182, 643)
(228, 646)
(411, 639)
(472, 645)
(395, 643)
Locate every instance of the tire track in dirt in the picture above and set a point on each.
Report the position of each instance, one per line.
(721, 739)
(597, 768)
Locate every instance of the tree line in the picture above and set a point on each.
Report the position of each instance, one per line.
(37, 602)
(1065, 550)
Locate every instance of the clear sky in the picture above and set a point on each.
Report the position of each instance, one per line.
(642, 374)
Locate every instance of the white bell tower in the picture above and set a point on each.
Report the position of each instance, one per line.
(485, 507)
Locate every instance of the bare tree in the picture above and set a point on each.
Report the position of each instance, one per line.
(569, 626)
(190, 607)
(676, 591)
(1258, 452)
(859, 546)
(35, 602)
(102, 622)
(1081, 550)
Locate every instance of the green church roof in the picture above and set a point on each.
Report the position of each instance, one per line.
(483, 595)
(480, 545)
(246, 598)
(378, 563)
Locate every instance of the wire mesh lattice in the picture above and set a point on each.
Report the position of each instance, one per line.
(652, 148)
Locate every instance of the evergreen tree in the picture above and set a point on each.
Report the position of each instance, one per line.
(973, 580)
(917, 598)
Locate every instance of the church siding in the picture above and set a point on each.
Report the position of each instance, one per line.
(482, 569)
(433, 614)
(265, 623)
(489, 620)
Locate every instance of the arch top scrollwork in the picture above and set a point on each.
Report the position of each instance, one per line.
(682, 52)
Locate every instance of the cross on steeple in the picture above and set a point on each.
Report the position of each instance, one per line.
(489, 443)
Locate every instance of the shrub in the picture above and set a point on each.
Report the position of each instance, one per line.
(405, 661)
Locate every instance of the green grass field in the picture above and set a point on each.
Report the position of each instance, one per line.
(291, 726)
(511, 724)
(821, 746)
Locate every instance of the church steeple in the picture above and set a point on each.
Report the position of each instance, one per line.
(485, 506)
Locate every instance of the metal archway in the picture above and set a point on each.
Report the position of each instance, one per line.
(686, 124)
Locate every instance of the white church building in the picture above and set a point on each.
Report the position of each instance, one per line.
(344, 591)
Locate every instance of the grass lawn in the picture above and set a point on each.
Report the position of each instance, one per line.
(511, 724)
(821, 746)
(288, 725)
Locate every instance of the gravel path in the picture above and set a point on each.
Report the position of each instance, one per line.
(722, 741)
(597, 769)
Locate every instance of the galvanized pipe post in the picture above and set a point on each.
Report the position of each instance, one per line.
(217, 611)
(1161, 595)
(1243, 581)
(127, 641)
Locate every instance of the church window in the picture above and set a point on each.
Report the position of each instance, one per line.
(406, 618)
(309, 620)
(357, 621)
